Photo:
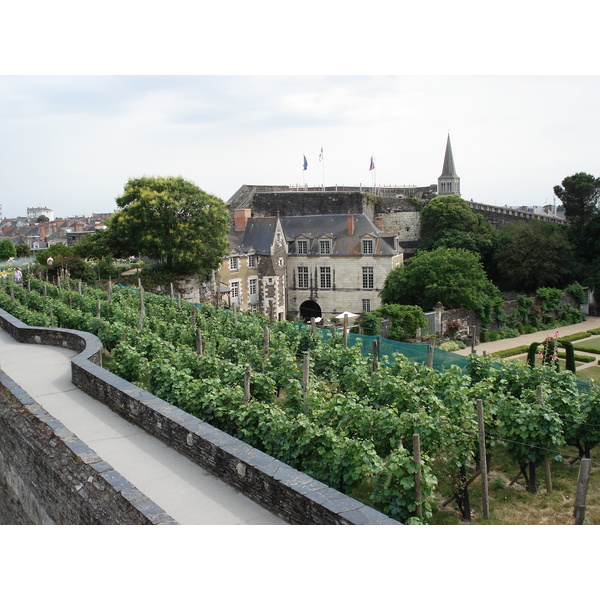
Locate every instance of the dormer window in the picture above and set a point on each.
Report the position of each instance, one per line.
(252, 261)
(302, 246)
(234, 263)
(367, 246)
(325, 247)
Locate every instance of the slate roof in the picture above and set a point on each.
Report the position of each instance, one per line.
(336, 227)
(258, 235)
(448, 169)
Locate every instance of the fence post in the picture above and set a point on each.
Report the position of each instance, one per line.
(547, 474)
(483, 461)
(430, 356)
(417, 457)
(582, 485)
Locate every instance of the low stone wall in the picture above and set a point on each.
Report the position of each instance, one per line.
(294, 496)
(49, 476)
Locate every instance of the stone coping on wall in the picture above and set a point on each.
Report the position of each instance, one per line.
(288, 493)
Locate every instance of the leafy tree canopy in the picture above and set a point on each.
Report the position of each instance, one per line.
(448, 221)
(7, 249)
(98, 245)
(579, 194)
(534, 254)
(42, 219)
(452, 276)
(172, 220)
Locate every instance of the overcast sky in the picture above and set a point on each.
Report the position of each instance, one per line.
(71, 137)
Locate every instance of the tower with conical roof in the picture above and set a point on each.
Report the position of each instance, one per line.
(449, 181)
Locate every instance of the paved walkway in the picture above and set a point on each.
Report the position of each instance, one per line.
(187, 492)
(539, 336)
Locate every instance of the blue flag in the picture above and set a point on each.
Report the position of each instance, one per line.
(372, 164)
(305, 164)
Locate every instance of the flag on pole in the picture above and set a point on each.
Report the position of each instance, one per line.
(372, 164)
(305, 164)
(321, 155)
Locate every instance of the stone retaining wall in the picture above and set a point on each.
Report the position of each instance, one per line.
(48, 476)
(292, 495)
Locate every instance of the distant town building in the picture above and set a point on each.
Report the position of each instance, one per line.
(34, 213)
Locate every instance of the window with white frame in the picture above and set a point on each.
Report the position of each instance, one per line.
(234, 263)
(324, 247)
(252, 287)
(366, 304)
(302, 246)
(367, 246)
(325, 279)
(235, 292)
(367, 278)
(303, 277)
(252, 261)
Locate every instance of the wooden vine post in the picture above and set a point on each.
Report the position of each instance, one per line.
(171, 293)
(582, 485)
(267, 340)
(235, 314)
(345, 331)
(547, 473)
(305, 379)
(430, 350)
(110, 291)
(79, 287)
(142, 308)
(375, 363)
(178, 301)
(483, 461)
(473, 340)
(247, 384)
(418, 489)
(313, 326)
(194, 315)
(98, 309)
(199, 344)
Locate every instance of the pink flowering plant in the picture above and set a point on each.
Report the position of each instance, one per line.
(452, 327)
(548, 353)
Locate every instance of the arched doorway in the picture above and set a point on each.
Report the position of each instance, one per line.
(310, 309)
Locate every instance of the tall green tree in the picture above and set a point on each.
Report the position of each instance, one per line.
(533, 254)
(173, 221)
(7, 249)
(448, 221)
(452, 276)
(579, 194)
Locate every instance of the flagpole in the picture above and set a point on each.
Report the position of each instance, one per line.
(322, 159)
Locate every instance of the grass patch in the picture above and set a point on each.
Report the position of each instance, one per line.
(576, 336)
(592, 346)
(513, 505)
(589, 373)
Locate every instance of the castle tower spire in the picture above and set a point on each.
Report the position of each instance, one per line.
(449, 181)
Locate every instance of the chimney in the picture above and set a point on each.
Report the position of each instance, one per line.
(350, 224)
(42, 231)
(240, 218)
